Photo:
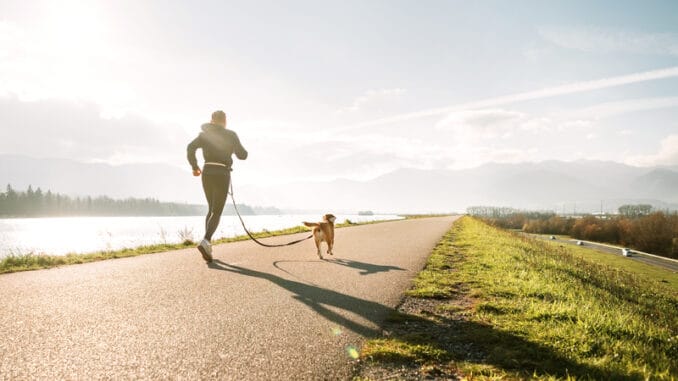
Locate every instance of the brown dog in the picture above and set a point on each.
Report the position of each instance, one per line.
(323, 231)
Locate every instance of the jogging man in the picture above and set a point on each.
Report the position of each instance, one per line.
(218, 144)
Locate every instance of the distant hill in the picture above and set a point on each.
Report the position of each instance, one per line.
(553, 185)
(660, 182)
(43, 203)
(162, 182)
(559, 186)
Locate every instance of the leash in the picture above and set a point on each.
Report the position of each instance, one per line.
(250, 234)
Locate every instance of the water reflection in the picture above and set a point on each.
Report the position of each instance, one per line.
(60, 236)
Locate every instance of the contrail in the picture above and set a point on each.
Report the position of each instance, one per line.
(572, 88)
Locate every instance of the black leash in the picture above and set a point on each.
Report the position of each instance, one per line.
(250, 234)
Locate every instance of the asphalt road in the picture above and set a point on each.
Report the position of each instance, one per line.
(254, 314)
(635, 256)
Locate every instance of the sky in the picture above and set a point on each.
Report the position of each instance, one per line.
(320, 90)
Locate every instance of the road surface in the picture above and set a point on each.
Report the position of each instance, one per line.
(667, 263)
(254, 314)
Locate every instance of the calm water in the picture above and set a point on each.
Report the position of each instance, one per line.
(60, 236)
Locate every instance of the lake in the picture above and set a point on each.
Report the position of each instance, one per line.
(63, 235)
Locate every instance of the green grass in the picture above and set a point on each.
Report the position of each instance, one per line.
(27, 262)
(14, 263)
(434, 280)
(407, 350)
(504, 306)
(639, 268)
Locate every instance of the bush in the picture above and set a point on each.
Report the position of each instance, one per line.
(655, 233)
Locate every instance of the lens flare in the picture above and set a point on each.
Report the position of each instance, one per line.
(336, 331)
(352, 352)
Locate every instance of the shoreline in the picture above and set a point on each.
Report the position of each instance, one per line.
(31, 261)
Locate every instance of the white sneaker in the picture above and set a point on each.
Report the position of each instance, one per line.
(205, 248)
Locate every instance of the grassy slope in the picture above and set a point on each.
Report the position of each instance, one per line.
(613, 260)
(495, 305)
(14, 263)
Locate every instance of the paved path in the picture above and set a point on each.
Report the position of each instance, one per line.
(256, 313)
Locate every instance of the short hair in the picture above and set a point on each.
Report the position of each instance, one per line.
(218, 116)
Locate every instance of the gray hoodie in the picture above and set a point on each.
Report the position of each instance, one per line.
(218, 145)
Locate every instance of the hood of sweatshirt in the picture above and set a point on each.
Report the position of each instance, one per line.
(209, 127)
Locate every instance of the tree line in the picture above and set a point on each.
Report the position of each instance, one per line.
(636, 226)
(37, 203)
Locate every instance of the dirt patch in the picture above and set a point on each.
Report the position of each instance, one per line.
(436, 322)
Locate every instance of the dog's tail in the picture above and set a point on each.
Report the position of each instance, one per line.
(311, 224)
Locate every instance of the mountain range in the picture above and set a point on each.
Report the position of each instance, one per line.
(163, 182)
(580, 186)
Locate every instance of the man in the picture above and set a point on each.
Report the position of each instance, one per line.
(218, 144)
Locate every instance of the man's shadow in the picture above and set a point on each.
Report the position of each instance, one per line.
(459, 339)
(317, 298)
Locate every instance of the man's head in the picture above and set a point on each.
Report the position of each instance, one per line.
(219, 117)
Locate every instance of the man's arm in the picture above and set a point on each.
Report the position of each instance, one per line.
(239, 150)
(190, 153)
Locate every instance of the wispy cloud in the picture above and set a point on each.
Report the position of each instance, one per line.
(76, 130)
(610, 109)
(373, 96)
(666, 155)
(611, 40)
(490, 123)
(572, 88)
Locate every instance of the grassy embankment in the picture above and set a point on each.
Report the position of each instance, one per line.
(639, 268)
(26, 262)
(494, 305)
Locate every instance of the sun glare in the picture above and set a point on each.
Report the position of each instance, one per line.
(70, 52)
(75, 28)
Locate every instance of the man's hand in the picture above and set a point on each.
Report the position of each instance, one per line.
(197, 172)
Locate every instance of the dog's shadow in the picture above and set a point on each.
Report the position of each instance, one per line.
(365, 268)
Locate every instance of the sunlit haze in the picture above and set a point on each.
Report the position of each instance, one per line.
(345, 89)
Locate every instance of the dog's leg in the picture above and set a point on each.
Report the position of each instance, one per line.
(330, 244)
(317, 245)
